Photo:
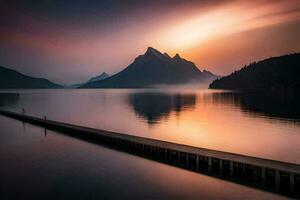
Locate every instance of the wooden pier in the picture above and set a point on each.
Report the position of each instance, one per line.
(271, 175)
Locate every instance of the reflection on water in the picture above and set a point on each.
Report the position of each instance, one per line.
(155, 106)
(277, 105)
(7, 99)
(260, 125)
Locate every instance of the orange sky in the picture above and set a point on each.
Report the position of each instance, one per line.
(71, 44)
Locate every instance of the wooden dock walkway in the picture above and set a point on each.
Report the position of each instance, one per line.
(271, 175)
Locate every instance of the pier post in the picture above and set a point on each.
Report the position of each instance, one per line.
(231, 169)
(187, 160)
(277, 180)
(221, 167)
(150, 151)
(166, 154)
(244, 171)
(143, 149)
(263, 176)
(23, 113)
(209, 164)
(157, 152)
(135, 147)
(197, 162)
(292, 183)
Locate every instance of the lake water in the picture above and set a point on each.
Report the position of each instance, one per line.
(39, 165)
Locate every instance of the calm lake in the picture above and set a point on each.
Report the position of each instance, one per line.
(35, 164)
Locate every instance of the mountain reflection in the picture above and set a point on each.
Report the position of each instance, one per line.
(8, 99)
(280, 105)
(155, 106)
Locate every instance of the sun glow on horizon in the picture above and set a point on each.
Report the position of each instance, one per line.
(225, 20)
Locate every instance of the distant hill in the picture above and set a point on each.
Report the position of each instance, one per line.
(271, 74)
(102, 76)
(154, 68)
(11, 79)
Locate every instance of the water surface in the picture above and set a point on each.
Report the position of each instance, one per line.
(47, 165)
(261, 125)
(42, 164)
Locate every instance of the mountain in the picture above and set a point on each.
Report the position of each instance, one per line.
(11, 79)
(153, 68)
(102, 76)
(271, 74)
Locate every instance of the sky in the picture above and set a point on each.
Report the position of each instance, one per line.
(70, 41)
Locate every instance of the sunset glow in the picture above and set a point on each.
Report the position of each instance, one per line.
(225, 20)
(52, 41)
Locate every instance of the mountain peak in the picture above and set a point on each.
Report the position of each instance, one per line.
(102, 76)
(177, 56)
(152, 51)
(167, 55)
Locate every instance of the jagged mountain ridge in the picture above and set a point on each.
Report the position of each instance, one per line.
(153, 68)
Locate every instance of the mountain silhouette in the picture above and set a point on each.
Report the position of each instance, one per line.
(153, 68)
(102, 76)
(271, 74)
(11, 79)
